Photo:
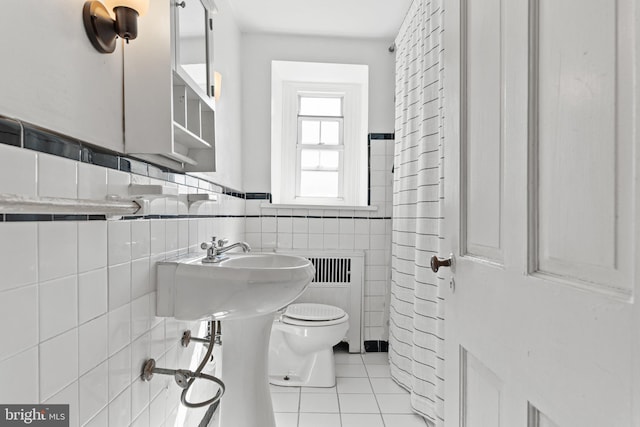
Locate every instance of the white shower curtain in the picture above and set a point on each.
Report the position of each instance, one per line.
(416, 329)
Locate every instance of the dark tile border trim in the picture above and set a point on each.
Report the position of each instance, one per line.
(231, 192)
(373, 218)
(259, 196)
(376, 346)
(10, 132)
(382, 136)
(50, 217)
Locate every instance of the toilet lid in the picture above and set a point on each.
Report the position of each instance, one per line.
(314, 312)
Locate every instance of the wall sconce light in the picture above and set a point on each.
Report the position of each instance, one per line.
(217, 85)
(103, 30)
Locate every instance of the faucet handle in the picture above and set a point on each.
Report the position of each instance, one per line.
(222, 242)
(209, 245)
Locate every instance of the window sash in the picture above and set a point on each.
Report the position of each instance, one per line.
(307, 94)
(320, 120)
(339, 148)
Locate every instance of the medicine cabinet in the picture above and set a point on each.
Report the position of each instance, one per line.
(168, 87)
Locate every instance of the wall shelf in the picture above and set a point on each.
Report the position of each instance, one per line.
(198, 199)
(152, 190)
(187, 138)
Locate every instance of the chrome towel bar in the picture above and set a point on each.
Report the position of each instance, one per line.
(14, 204)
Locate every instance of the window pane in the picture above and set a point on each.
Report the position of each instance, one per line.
(313, 159)
(329, 159)
(318, 184)
(310, 159)
(330, 133)
(310, 132)
(320, 106)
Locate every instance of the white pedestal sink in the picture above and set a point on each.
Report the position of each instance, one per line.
(244, 291)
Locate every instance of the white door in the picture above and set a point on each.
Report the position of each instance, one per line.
(542, 212)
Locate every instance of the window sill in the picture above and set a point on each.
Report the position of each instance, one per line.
(323, 207)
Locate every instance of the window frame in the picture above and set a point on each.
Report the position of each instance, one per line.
(285, 150)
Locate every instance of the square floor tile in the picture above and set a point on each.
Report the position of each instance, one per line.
(348, 358)
(404, 420)
(354, 371)
(362, 420)
(281, 389)
(381, 358)
(378, 371)
(319, 403)
(354, 385)
(286, 419)
(285, 402)
(386, 385)
(328, 390)
(394, 403)
(319, 420)
(358, 404)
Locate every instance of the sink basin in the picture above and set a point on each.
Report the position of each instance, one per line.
(243, 285)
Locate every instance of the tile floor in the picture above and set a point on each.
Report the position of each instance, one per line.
(364, 396)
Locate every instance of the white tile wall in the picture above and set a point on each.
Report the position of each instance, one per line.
(18, 307)
(18, 259)
(58, 363)
(58, 306)
(93, 392)
(92, 344)
(92, 294)
(119, 242)
(83, 295)
(140, 239)
(69, 396)
(119, 285)
(17, 169)
(20, 371)
(57, 176)
(92, 182)
(92, 254)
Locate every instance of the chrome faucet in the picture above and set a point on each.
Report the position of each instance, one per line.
(217, 248)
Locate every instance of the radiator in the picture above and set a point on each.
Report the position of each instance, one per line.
(339, 281)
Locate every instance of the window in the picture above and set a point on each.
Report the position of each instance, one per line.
(319, 134)
(320, 146)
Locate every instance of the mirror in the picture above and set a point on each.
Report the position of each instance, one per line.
(193, 43)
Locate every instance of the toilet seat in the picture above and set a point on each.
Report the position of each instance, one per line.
(308, 314)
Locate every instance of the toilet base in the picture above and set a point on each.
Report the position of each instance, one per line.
(315, 370)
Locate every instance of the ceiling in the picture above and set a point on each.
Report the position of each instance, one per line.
(379, 19)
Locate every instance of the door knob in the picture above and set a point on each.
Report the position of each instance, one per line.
(436, 263)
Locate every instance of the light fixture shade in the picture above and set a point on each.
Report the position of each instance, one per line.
(140, 6)
(217, 85)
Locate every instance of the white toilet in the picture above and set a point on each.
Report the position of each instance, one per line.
(301, 345)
